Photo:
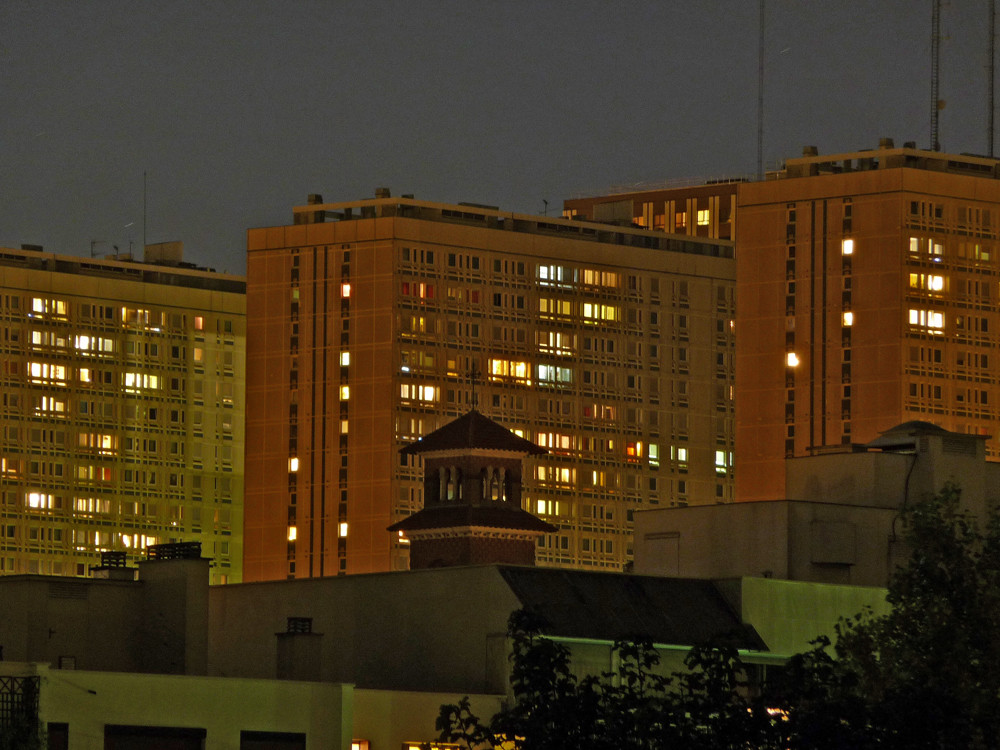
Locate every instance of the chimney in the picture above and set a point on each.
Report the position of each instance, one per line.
(885, 143)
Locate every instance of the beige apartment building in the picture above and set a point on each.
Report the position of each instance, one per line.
(374, 322)
(121, 410)
(867, 287)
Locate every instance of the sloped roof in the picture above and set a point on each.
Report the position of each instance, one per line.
(460, 516)
(611, 606)
(472, 430)
(905, 435)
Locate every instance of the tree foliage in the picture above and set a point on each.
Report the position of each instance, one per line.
(708, 705)
(925, 675)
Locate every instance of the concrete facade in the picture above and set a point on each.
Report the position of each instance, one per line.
(121, 410)
(609, 346)
(840, 522)
(867, 285)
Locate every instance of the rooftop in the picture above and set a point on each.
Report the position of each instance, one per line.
(491, 217)
(887, 156)
(471, 431)
(124, 268)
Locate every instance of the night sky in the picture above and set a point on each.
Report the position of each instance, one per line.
(237, 110)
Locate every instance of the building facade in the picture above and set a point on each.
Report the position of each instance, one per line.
(699, 210)
(867, 297)
(121, 409)
(372, 323)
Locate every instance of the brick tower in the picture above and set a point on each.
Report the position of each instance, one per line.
(472, 497)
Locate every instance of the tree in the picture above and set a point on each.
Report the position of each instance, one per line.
(19, 725)
(706, 706)
(927, 673)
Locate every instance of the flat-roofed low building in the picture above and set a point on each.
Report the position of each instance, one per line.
(121, 409)
(374, 322)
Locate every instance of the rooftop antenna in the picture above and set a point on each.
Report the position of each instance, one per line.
(546, 211)
(990, 75)
(760, 92)
(144, 210)
(936, 103)
(473, 377)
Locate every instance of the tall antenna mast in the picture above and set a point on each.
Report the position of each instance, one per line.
(144, 211)
(990, 75)
(760, 93)
(935, 67)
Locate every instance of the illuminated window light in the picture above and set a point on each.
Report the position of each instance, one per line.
(293, 464)
(848, 319)
(342, 529)
(345, 359)
(343, 426)
(847, 247)
(792, 359)
(345, 290)
(703, 217)
(345, 392)
(293, 533)
(199, 323)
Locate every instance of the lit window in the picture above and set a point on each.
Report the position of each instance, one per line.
(342, 529)
(593, 311)
(682, 455)
(343, 426)
(293, 464)
(84, 375)
(847, 247)
(427, 393)
(39, 500)
(293, 533)
(929, 281)
(720, 463)
(517, 370)
(654, 454)
(703, 217)
(199, 323)
(792, 359)
(345, 359)
(848, 319)
(345, 290)
(553, 374)
(929, 319)
(345, 392)
(134, 381)
(633, 449)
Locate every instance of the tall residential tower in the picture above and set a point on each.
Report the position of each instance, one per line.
(867, 295)
(374, 322)
(121, 409)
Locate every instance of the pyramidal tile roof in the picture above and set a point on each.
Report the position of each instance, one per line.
(472, 430)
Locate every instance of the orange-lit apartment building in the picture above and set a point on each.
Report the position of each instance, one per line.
(121, 410)
(699, 210)
(374, 322)
(868, 287)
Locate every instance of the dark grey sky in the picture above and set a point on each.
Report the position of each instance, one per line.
(237, 110)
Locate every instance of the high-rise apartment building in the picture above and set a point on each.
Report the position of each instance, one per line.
(372, 323)
(868, 285)
(121, 419)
